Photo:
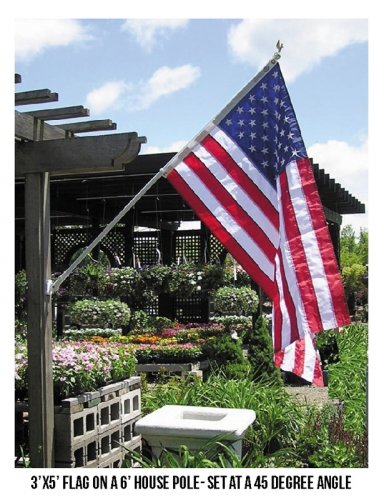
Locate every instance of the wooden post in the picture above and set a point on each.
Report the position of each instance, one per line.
(38, 269)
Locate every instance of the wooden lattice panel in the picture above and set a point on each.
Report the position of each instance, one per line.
(65, 241)
(188, 309)
(216, 249)
(145, 248)
(114, 242)
(188, 247)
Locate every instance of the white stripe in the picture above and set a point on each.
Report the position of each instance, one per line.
(245, 164)
(311, 247)
(290, 275)
(310, 357)
(226, 220)
(286, 322)
(288, 363)
(239, 195)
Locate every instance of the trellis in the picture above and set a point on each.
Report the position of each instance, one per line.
(43, 150)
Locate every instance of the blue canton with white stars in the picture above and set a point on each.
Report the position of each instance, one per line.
(264, 125)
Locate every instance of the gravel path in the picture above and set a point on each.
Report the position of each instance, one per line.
(309, 394)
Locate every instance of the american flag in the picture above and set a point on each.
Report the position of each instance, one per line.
(303, 359)
(249, 179)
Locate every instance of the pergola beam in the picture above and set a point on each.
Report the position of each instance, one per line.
(78, 154)
(35, 97)
(60, 113)
(88, 126)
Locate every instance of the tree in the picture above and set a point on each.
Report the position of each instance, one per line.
(354, 261)
(260, 354)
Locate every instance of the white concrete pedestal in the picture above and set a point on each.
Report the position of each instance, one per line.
(172, 426)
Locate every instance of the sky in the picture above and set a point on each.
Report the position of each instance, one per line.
(166, 78)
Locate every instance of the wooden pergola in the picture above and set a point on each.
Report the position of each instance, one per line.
(44, 150)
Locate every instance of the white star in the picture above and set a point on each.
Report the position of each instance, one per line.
(252, 136)
(275, 74)
(282, 104)
(252, 123)
(252, 148)
(251, 98)
(228, 122)
(295, 152)
(252, 111)
(282, 133)
(276, 100)
(264, 151)
(286, 149)
(241, 123)
(263, 86)
(290, 135)
(265, 164)
(240, 109)
(264, 100)
(265, 138)
(276, 87)
(276, 127)
(264, 112)
(241, 135)
(265, 125)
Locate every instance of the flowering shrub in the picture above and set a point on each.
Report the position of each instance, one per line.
(98, 313)
(80, 366)
(121, 282)
(186, 279)
(157, 277)
(86, 333)
(173, 353)
(241, 301)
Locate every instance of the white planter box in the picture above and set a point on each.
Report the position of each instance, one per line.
(173, 425)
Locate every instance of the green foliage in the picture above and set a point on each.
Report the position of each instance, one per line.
(354, 277)
(226, 354)
(140, 321)
(260, 354)
(98, 313)
(239, 301)
(353, 250)
(86, 279)
(216, 453)
(324, 441)
(159, 323)
(157, 277)
(21, 287)
(348, 377)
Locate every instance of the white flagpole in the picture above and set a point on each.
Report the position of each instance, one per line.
(51, 288)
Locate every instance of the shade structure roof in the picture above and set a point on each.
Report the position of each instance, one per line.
(76, 199)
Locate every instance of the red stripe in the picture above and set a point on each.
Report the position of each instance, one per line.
(318, 374)
(278, 358)
(221, 233)
(299, 259)
(237, 212)
(289, 302)
(241, 178)
(324, 242)
(298, 367)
